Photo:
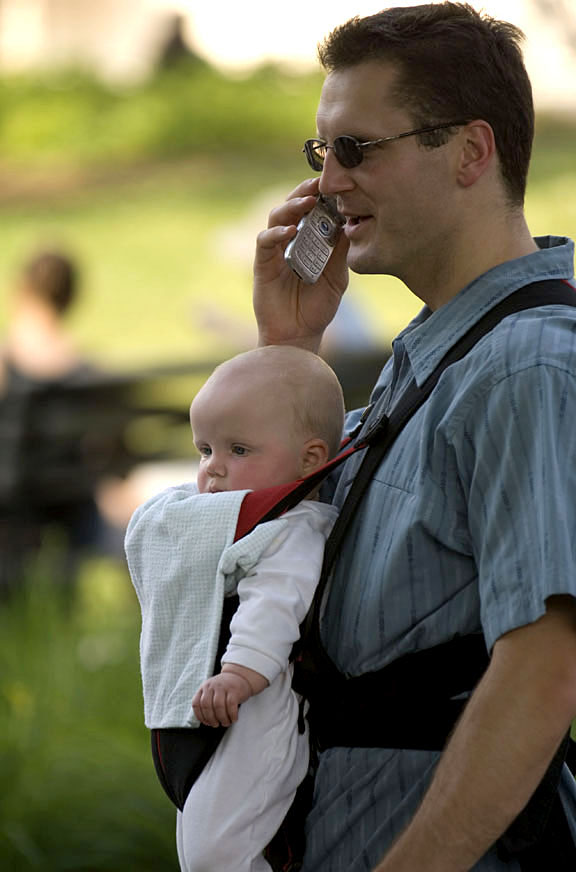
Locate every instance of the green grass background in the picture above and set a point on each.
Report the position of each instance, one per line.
(159, 193)
(77, 787)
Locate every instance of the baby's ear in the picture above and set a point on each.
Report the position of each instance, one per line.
(315, 453)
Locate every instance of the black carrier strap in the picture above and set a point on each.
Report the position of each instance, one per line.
(418, 690)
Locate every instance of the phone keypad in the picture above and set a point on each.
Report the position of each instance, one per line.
(315, 252)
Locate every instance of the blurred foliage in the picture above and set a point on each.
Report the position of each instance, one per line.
(190, 108)
(553, 152)
(77, 784)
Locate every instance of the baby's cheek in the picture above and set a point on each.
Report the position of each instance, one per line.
(202, 480)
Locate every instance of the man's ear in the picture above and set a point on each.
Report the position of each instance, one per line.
(478, 151)
(315, 453)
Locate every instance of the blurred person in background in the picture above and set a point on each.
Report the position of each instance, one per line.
(37, 347)
(38, 430)
(176, 49)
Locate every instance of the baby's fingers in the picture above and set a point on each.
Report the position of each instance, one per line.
(232, 706)
(225, 706)
(203, 707)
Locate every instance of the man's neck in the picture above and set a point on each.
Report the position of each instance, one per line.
(492, 243)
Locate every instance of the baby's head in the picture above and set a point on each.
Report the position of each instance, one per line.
(266, 417)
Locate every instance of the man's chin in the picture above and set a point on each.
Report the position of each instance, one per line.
(364, 263)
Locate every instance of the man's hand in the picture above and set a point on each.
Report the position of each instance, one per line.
(288, 311)
(217, 700)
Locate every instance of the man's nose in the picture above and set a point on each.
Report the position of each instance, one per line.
(334, 178)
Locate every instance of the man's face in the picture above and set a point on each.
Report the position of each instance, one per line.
(399, 202)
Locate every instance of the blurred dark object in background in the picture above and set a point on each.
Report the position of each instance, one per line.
(176, 48)
(59, 441)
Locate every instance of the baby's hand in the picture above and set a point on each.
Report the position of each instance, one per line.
(217, 700)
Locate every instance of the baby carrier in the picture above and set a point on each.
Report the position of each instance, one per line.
(539, 837)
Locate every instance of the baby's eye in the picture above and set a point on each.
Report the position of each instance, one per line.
(204, 450)
(240, 450)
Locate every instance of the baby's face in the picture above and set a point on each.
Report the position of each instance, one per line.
(246, 439)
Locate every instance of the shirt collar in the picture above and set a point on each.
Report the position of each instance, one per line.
(431, 334)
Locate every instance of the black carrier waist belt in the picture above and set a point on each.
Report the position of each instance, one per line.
(421, 694)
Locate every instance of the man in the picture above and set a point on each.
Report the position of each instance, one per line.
(468, 523)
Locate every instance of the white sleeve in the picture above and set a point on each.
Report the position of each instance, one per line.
(274, 599)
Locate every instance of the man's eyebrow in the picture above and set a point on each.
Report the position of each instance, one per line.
(361, 137)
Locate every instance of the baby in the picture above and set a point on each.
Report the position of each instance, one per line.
(267, 417)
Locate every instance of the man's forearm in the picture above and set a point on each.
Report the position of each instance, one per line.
(499, 752)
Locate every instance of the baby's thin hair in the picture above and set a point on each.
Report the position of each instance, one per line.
(312, 387)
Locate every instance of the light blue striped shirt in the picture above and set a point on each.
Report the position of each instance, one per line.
(468, 525)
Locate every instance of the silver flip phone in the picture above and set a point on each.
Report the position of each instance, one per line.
(308, 253)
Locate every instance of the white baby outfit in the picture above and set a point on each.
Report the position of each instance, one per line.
(183, 561)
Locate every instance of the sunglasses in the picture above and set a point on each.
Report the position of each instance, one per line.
(349, 151)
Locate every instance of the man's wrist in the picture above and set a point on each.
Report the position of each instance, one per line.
(411, 851)
(306, 343)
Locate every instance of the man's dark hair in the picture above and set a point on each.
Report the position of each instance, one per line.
(51, 277)
(453, 63)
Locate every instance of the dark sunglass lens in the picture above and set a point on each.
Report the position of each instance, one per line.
(315, 153)
(347, 150)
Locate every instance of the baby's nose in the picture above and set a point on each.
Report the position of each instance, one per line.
(215, 465)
